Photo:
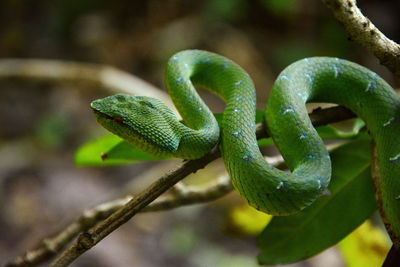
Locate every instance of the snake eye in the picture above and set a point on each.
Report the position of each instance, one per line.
(146, 103)
(120, 97)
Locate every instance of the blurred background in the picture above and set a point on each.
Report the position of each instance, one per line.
(42, 123)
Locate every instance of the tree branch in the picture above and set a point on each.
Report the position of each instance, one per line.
(99, 76)
(90, 238)
(364, 32)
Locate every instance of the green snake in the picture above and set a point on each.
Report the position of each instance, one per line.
(151, 126)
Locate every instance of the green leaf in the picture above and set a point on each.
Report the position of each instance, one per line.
(331, 132)
(110, 150)
(350, 202)
(325, 132)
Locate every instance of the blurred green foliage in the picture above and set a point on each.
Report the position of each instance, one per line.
(52, 131)
(280, 7)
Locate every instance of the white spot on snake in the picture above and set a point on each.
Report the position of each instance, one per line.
(319, 184)
(301, 95)
(369, 87)
(287, 109)
(236, 109)
(303, 136)
(280, 185)
(238, 83)
(306, 60)
(336, 70)
(284, 77)
(175, 58)
(239, 99)
(388, 122)
(225, 66)
(186, 65)
(309, 77)
(311, 156)
(179, 80)
(199, 108)
(395, 159)
(236, 134)
(246, 157)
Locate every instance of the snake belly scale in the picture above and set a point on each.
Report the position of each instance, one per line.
(150, 125)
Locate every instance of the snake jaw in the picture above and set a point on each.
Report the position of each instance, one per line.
(142, 121)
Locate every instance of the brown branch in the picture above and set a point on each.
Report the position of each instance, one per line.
(364, 32)
(88, 239)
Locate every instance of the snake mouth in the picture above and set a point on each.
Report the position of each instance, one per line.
(101, 115)
(116, 119)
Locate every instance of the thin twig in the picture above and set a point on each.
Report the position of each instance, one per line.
(364, 32)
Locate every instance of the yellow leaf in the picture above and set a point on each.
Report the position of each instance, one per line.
(248, 220)
(366, 246)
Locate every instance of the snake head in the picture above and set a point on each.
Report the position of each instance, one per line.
(145, 122)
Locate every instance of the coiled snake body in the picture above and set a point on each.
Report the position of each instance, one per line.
(151, 126)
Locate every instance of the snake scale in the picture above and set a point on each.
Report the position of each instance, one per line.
(151, 126)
